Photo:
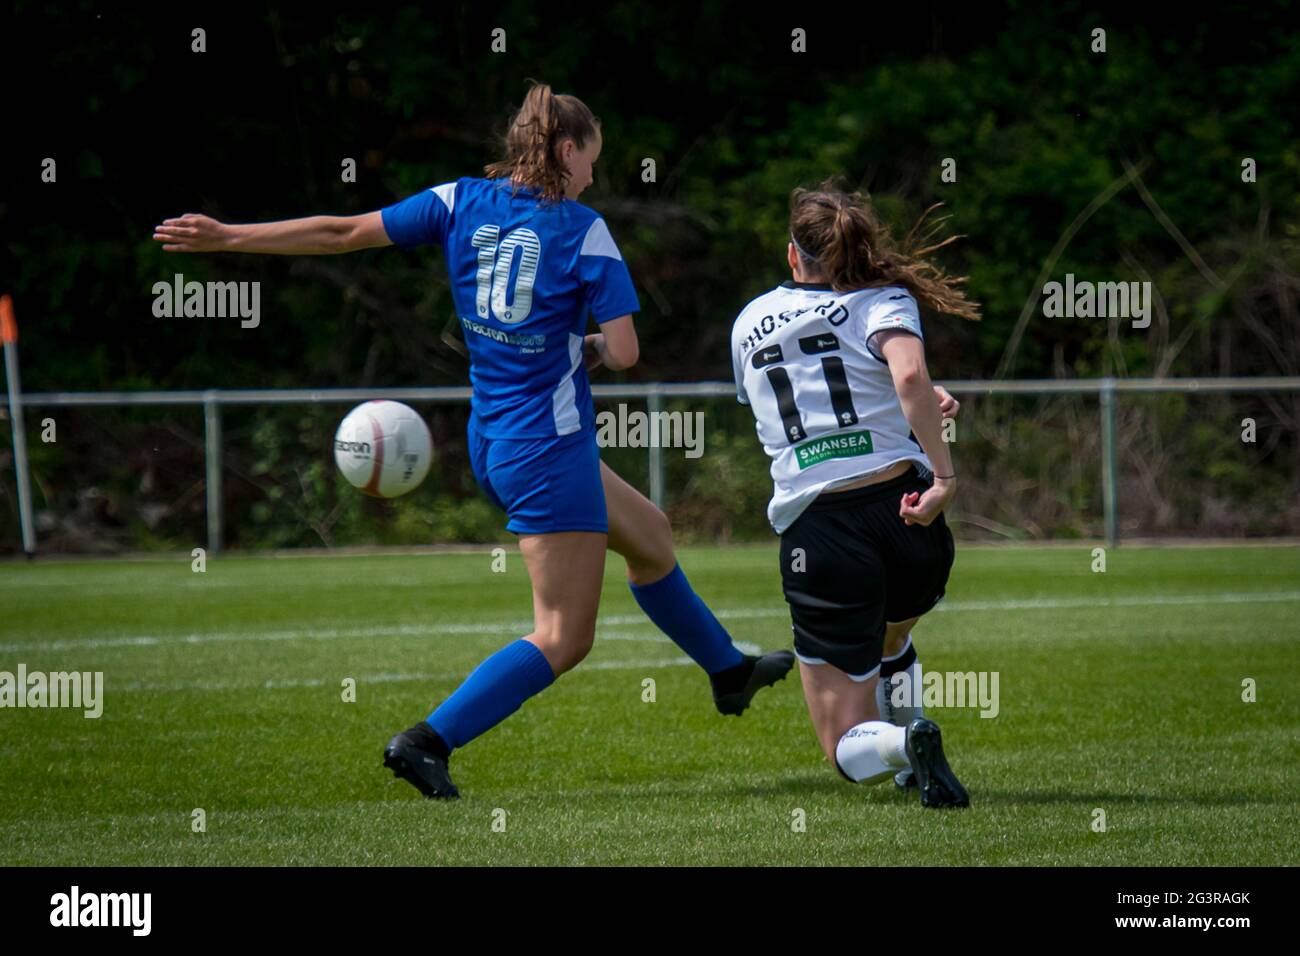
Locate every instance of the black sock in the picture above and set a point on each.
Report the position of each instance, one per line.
(427, 738)
(733, 679)
(901, 663)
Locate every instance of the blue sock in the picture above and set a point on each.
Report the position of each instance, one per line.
(678, 612)
(491, 693)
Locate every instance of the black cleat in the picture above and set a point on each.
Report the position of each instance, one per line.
(764, 672)
(422, 769)
(939, 786)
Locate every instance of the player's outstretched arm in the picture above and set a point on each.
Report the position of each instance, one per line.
(905, 354)
(312, 236)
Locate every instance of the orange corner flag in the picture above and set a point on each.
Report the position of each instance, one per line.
(8, 325)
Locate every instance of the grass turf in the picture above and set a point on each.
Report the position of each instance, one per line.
(1119, 691)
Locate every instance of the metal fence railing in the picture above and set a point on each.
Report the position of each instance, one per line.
(213, 400)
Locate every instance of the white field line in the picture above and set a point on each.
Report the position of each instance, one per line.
(362, 681)
(521, 627)
(1130, 600)
(190, 582)
(486, 629)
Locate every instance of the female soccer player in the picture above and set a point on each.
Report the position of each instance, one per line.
(833, 366)
(528, 264)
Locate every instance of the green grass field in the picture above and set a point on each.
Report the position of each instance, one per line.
(223, 691)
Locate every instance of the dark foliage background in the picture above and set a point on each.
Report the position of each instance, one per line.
(1117, 166)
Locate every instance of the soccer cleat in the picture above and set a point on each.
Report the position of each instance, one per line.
(939, 786)
(425, 771)
(764, 672)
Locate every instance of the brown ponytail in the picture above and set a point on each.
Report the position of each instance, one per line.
(838, 235)
(533, 139)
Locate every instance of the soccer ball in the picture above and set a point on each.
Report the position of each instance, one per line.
(383, 448)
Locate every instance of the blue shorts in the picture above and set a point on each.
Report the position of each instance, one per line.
(544, 485)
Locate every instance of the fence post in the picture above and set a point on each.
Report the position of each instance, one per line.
(655, 404)
(212, 462)
(1108, 466)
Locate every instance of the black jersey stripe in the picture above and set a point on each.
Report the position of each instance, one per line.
(790, 420)
(841, 397)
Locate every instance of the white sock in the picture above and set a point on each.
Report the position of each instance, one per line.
(904, 686)
(872, 751)
(884, 706)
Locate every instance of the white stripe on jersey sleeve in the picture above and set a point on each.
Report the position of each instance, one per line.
(599, 242)
(447, 193)
(890, 309)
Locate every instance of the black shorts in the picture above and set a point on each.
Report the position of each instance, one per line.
(849, 565)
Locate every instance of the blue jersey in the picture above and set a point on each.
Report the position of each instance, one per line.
(525, 274)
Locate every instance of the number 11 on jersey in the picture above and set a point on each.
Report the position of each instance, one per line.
(837, 382)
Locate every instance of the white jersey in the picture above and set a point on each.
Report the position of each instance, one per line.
(807, 363)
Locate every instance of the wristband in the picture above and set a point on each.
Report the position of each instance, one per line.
(946, 477)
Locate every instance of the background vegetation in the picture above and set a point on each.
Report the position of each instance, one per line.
(1117, 166)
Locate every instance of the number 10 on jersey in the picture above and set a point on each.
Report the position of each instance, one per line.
(495, 261)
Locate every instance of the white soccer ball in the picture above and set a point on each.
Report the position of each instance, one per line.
(384, 448)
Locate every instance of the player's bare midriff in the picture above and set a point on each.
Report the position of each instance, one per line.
(888, 474)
